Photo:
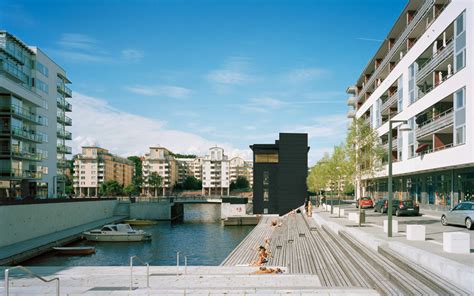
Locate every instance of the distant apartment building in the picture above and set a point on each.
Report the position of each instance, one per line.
(215, 173)
(161, 161)
(197, 167)
(423, 73)
(33, 121)
(241, 168)
(185, 169)
(96, 165)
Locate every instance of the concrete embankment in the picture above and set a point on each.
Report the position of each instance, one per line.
(28, 230)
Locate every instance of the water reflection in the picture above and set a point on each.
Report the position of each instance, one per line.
(204, 244)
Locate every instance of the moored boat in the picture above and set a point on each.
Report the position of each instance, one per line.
(136, 222)
(116, 233)
(75, 250)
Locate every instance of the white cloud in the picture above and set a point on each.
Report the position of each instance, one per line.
(132, 55)
(227, 77)
(235, 71)
(267, 102)
(123, 133)
(303, 75)
(331, 127)
(172, 91)
(77, 41)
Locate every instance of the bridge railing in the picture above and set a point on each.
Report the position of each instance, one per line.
(173, 198)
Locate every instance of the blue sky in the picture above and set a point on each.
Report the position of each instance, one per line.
(188, 75)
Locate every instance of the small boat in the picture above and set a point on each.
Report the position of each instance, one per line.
(135, 222)
(116, 233)
(75, 250)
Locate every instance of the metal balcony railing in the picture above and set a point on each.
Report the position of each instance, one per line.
(64, 149)
(431, 64)
(64, 119)
(63, 104)
(64, 134)
(64, 90)
(440, 121)
(400, 41)
(394, 144)
(393, 99)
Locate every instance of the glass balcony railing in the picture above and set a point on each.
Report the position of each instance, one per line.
(22, 154)
(64, 90)
(23, 113)
(14, 72)
(64, 134)
(64, 120)
(64, 149)
(63, 104)
(22, 134)
(22, 174)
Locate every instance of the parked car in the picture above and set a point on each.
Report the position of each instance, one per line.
(399, 207)
(381, 205)
(462, 214)
(364, 202)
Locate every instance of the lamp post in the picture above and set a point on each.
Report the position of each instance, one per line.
(403, 127)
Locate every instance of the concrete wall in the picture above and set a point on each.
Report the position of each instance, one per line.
(23, 222)
(231, 210)
(150, 210)
(207, 213)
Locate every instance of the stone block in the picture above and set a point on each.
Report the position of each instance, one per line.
(416, 232)
(456, 242)
(354, 217)
(342, 212)
(394, 226)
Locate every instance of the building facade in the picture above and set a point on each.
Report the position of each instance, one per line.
(33, 135)
(241, 168)
(279, 174)
(161, 161)
(215, 173)
(96, 165)
(423, 73)
(185, 169)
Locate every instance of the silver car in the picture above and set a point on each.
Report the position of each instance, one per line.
(462, 214)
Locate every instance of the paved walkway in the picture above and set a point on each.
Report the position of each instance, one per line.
(29, 248)
(458, 268)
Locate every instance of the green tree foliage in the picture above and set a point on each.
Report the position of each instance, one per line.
(177, 155)
(241, 183)
(191, 183)
(154, 182)
(137, 179)
(111, 188)
(131, 189)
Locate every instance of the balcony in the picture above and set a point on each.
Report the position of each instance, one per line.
(63, 104)
(351, 114)
(64, 120)
(13, 72)
(22, 113)
(352, 101)
(62, 164)
(390, 102)
(64, 90)
(394, 145)
(64, 134)
(63, 149)
(440, 121)
(425, 8)
(22, 154)
(23, 134)
(430, 65)
(20, 174)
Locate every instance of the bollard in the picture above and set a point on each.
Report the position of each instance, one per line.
(185, 264)
(177, 263)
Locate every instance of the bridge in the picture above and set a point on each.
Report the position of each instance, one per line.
(214, 199)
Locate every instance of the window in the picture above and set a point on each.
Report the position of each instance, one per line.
(460, 116)
(266, 185)
(42, 86)
(400, 93)
(266, 158)
(460, 42)
(42, 69)
(412, 92)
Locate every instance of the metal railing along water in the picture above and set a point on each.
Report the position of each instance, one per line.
(31, 273)
(147, 271)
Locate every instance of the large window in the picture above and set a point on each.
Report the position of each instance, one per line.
(266, 186)
(460, 42)
(400, 93)
(266, 158)
(412, 92)
(460, 116)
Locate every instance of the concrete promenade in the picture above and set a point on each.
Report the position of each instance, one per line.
(24, 250)
(455, 268)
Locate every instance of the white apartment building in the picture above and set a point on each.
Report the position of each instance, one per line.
(185, 168)
(215, 173)
(33, 135)
(423, 73)
(197, 167)
(161, 161)
(241, 168)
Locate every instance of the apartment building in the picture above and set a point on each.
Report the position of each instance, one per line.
(423, 73)
(215, 173)
(161, 161)
(241, 168)
(185, 168)
(33, 135)
(95, 166)
(197, 167)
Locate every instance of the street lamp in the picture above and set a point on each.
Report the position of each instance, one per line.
(403, 127)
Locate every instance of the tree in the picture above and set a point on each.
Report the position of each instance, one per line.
(137, 179)
(364, 152)
(192, 183)
(154, 181)
(131, 189)
(111, 188)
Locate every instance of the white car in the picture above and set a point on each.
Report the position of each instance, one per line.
(462, 214)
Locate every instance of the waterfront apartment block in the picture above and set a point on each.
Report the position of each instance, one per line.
(279, 174)
(215, 173)
(185, 168)
(33, 135)
(161, 161)
(96, 165)
(423, 73)
(241, 168)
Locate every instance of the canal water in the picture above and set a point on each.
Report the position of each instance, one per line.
(203, 244)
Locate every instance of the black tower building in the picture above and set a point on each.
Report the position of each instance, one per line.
(279, 174)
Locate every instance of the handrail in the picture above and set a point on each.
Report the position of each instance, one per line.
(147, 271)
(31, 273)
(448, 43)
(437, 117)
